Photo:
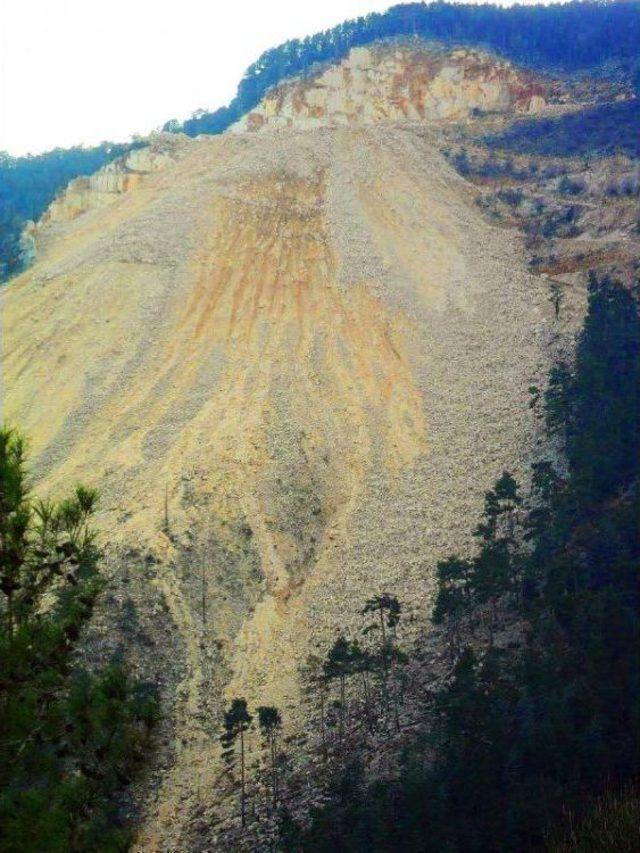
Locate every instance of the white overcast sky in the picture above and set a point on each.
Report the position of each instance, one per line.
(83, 71)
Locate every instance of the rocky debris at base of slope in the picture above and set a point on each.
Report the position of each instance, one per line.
(334, 345)
(416, 81)
(372, 740)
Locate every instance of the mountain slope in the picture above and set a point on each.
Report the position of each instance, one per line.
(569, 36)
(311, 346)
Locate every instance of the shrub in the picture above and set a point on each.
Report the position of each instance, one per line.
(567, 186)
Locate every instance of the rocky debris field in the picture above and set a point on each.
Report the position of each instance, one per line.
(292, 362)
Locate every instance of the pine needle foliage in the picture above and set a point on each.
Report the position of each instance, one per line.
(69, 740)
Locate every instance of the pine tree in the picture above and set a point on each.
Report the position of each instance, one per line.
(69, 739)
(270, 723)
(604, 422)
(339, 664)
(15, 518)
(388, 612)
(556, 297)
(452, 599)
(492, 570)
(362, 664)
(315, 686)
(557, 400)
(500, 503)
(237, 721)
(40, 542)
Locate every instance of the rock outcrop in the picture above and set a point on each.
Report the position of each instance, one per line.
(101, 189)
(395, 82)
(114, 179)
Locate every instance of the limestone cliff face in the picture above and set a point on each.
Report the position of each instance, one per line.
(101, 189)
(399, 83)
(114, 179)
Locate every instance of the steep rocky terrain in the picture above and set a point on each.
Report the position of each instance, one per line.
(292, 362)
(400, 81)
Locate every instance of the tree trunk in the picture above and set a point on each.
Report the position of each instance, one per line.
(396, 713)
(204, 599)
(394, 695)
(10, 613)
(452, 641)
(367, 704)
(166, 509)
(322, 728)
(492, 620)
(274, 772)
(385, 674)
(243, 818)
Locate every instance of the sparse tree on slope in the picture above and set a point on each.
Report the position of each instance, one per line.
(387, 610)
(556, 297)
(340, 665)
(362, 664)
(500, 503)
(237, 721)
(452, 600)
(315, 686)
(492, 573)
(270, 723)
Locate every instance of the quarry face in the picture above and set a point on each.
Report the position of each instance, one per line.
(292, 361)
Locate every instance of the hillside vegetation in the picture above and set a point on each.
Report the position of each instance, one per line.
(69, 738)
(602, 130)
